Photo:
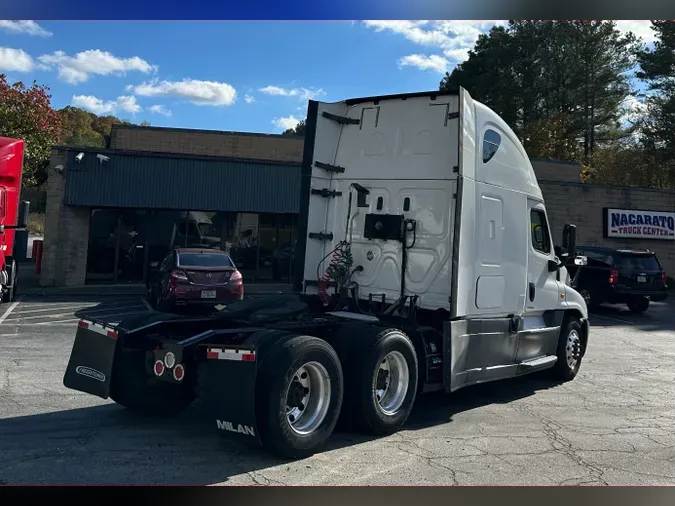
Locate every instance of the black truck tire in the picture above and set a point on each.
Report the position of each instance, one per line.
(132, 387)
(638, 305)
(570, 351)
(279, 383)
(366, 407)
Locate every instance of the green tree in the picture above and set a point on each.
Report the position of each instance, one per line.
(657, 69)
(299, 129)
(568, 77)
(26, 113)
(78, 128)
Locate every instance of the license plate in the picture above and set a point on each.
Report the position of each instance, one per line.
(642, 279)
(208, 294)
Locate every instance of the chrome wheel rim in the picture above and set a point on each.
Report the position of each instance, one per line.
(308, 398)
(391, 382)
(572, 349)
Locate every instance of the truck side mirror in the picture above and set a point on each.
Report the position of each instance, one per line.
(569, 240)
(22, 215)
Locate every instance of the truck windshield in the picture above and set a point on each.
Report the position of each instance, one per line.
(636, 263)
(204, 260)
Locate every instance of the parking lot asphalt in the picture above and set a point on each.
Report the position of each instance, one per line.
(614, 424)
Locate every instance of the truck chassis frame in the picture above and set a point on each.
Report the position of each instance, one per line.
(221, 357)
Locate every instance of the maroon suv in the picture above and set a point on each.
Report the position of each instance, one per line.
(194, 277)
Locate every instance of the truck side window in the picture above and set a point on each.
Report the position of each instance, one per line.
(491, 142)
(541, 240)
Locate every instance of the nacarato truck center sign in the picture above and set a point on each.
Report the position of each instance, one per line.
(630, 224)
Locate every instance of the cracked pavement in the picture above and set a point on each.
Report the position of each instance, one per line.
(614, 424)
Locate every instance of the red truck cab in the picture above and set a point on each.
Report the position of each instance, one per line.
(13, 214)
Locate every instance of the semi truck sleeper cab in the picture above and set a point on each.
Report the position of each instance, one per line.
(426, 262)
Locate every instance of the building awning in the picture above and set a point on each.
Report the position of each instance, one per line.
(163, 181)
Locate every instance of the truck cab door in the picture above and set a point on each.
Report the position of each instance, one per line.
(538, 337)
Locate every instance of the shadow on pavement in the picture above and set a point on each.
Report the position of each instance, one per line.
(107, 444)
(660, 316)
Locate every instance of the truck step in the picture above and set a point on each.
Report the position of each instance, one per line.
(343, 120)
(354, 316)
(539, 362)
(321, 236)
(329, 167)
(325, 192)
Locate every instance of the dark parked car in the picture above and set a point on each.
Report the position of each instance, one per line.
(618, 276)
(194, 277)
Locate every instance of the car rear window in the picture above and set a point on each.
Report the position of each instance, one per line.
(204, 260)
(637, 263)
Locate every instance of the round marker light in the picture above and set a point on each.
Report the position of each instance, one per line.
(179, 372)
(170, 360)
(159, 368)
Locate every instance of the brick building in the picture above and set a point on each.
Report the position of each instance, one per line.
(108, 219)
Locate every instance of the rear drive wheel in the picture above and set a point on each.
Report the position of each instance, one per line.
(382, 383)
(569, 351)
(132, 387)
(638, 305)
(299, 396)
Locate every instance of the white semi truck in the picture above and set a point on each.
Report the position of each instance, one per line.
(425, 262)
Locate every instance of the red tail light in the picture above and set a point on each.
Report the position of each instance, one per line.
(174, 278)
(663, 278)
(178, 275)
(613, 276)
(236, 276)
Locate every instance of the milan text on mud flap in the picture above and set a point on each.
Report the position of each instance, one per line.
(240, 429)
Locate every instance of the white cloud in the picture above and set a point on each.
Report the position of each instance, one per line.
(125, 103)
(286, 123)
(27, 27)
(197, 92)
(249, 99)
(633, 110)
(454, 39)
(423, 62)
(302, 93)
(16, 60)
(639, 28)
(77, 69)
(159, 109)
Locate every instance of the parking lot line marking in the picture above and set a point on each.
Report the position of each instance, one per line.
(96, 313)
(61, 308)
(80, 307)
(146, 303)
(69, 322)
(42, 303)
(10, 309)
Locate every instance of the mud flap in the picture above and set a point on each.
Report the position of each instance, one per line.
(227, 388)
(91, 360)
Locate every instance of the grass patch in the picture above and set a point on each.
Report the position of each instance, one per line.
(36, 223)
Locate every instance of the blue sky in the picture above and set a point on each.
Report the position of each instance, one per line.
(242, 76)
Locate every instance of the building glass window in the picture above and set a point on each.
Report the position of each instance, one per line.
(124, 244)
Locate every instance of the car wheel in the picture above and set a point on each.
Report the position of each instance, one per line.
(638, 305)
